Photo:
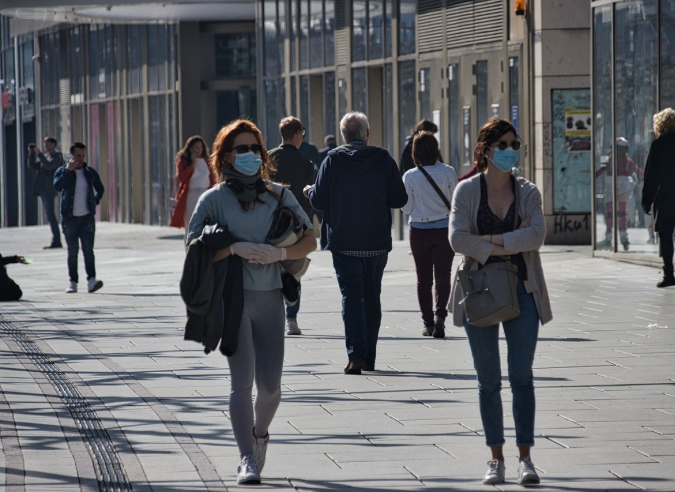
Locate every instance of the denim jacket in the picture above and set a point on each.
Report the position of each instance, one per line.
(64, 183)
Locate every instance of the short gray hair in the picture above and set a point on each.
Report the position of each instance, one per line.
(354, 126)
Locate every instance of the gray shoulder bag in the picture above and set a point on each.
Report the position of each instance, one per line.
(489, 294)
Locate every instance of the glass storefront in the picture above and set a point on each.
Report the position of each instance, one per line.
(633, 69)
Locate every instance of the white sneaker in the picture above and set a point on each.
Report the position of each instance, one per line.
(72, 287)
(94, 284)
(496, 473)
(260, 450)
(527, 475)
(247, 472)
(292, 327)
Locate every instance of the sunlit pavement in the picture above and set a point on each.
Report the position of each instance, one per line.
(101, 389)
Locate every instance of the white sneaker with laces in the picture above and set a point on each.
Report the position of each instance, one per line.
(93, 284)
(247, 472)
(72, 287)
(260, 450)
(496, 472)
(292, 327)
(527, 475)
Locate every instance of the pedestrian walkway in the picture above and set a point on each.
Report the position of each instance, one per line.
(100, 392)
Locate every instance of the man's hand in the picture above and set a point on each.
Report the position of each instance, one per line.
(71, 165)
(305, 190)
(265, 254)
(38, 151)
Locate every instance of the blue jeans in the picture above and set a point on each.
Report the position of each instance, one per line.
(360, 281)
(48, 206)
(292, 311)
(521, 339)
(80, 230)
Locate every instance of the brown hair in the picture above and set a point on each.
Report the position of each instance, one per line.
(490, 133)
(289, 126)
(425, 149)
(224, 144)
(184, 153)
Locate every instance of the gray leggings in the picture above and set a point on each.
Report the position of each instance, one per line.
(260, 354)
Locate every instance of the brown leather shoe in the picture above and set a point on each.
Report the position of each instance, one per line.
(355, 366)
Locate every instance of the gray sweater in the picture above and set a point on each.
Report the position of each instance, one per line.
(465, 239)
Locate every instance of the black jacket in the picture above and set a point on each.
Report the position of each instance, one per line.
(659, 182)
(323, 153)
(293, 169)
(45, 165)
(213, 292)
(356, 188)
(9, 290)
(64, 182)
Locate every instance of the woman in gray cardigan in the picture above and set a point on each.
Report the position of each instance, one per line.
(481, 227)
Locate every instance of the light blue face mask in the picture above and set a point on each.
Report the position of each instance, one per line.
(505, 160)
(247, 163)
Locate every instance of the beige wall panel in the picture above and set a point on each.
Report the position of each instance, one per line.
(563, 52)
(563, 14)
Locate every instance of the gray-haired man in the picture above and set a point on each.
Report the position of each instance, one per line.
(356, 189)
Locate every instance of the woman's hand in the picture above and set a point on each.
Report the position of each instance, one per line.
(264, 254)
(243, 249)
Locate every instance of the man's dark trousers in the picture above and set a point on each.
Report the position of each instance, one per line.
(360, 281)
(48, 206)
(80, 230)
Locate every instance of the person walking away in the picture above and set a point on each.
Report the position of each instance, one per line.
(245, 202)
(482, 228)
(9, 289)
(407, 162)
(309, 150)
(356, 189)
(194, 176)
(429, 208)
(329, 143)
(46, 164)
(296, 171)
(658, 189)
(81, 191)
(627, 172)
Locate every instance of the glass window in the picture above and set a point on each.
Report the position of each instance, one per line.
(329, 101)
(315, 30)
(304, 34)
(481, 93)
(76, 52)
(407, 98)
(9, 88)
(304, 105)
(329, 32)
(358, 30)
(272, 116)
(161, 57)
(93, 62)
(342, 98)
(375, 28)
(514, 91)
(294, 96)
(454, 122)
(667, 54)
(282, 35)
(294, 32)
(388, 109)
(388, 10)
(602, 123)
(425, 93)
(153, 79)
(235, 54)
(270, 46)
(406, 32)
(135, 55)
(27, 90)
(635, 102)
(359, 90)
(108, 60)
(158, 130)
(171, 45)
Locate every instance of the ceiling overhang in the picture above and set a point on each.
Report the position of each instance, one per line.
(93, 11)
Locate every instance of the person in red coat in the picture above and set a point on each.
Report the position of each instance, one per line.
(194, 176)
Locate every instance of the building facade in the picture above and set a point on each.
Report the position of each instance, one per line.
(633, 78)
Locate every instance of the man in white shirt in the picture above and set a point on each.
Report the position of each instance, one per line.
(81, 191)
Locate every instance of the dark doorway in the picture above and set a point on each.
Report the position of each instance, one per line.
(232, 105)
(31, 201)
(11, 177)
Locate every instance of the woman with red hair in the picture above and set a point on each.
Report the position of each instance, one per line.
(245, 201)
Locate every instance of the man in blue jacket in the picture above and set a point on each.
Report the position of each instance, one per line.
(356, 188)
(81, 191)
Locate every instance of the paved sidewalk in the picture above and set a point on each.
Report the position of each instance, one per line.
(101, 388)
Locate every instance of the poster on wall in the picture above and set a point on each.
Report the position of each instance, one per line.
(571, 150)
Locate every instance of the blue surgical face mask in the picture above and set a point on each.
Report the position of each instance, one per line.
(505, 160)
(247, 163)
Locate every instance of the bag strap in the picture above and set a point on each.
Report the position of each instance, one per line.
(435, 186)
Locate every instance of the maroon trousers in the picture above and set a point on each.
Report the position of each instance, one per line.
(433, 258)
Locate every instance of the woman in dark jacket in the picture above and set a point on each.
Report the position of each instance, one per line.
(658, 189)
(194, 176)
